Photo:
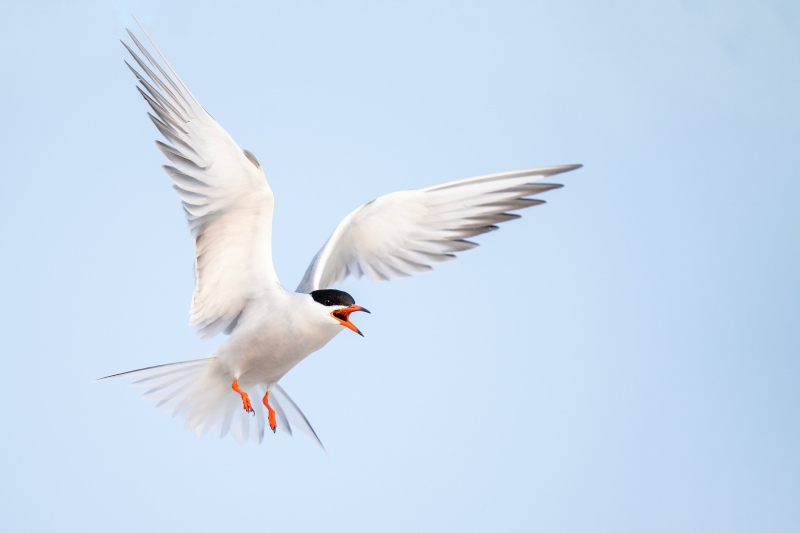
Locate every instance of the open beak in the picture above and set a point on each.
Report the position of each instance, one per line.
(343, 316)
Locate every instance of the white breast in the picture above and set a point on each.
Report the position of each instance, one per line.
(272, 338)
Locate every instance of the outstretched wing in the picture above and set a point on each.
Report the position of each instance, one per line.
(224, 193)
(405, 232)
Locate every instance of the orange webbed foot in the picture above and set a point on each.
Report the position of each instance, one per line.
(245, 398)
(273, 424)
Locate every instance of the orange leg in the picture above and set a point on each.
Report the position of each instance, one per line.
(245, 398)
(273, 424)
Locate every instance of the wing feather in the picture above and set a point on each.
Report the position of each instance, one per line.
(405, 232)
(224, 193)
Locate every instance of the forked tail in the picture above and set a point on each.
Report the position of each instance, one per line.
(197, 392)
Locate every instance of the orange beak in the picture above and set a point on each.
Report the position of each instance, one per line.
(343, 316)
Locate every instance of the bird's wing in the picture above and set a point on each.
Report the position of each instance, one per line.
(225, 195)
(405, 232)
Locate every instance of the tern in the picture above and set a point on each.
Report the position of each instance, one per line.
(229, 205)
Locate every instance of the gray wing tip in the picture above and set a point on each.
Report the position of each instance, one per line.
(552, 171)
(568, 168)
(252, 158)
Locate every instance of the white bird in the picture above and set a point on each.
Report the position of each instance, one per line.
(229, 206)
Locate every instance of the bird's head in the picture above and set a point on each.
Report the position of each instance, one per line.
(340, 305)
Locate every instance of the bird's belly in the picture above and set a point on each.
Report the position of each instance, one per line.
(265, 354)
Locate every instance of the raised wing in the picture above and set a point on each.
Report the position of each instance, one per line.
(405, 232)
(224, 193)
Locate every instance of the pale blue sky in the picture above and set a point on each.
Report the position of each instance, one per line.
(625, 358)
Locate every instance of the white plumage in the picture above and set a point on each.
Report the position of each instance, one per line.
(229, 207)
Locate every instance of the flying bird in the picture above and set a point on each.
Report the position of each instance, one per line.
(229, 205)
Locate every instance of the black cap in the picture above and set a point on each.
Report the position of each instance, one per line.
(330, 297)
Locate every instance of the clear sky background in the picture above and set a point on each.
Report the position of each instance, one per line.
(625, 358)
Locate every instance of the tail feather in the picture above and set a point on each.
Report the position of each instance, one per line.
(198, 392)
(293, 413)
(175, 392)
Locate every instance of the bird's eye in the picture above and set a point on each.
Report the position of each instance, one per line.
(326, 302)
